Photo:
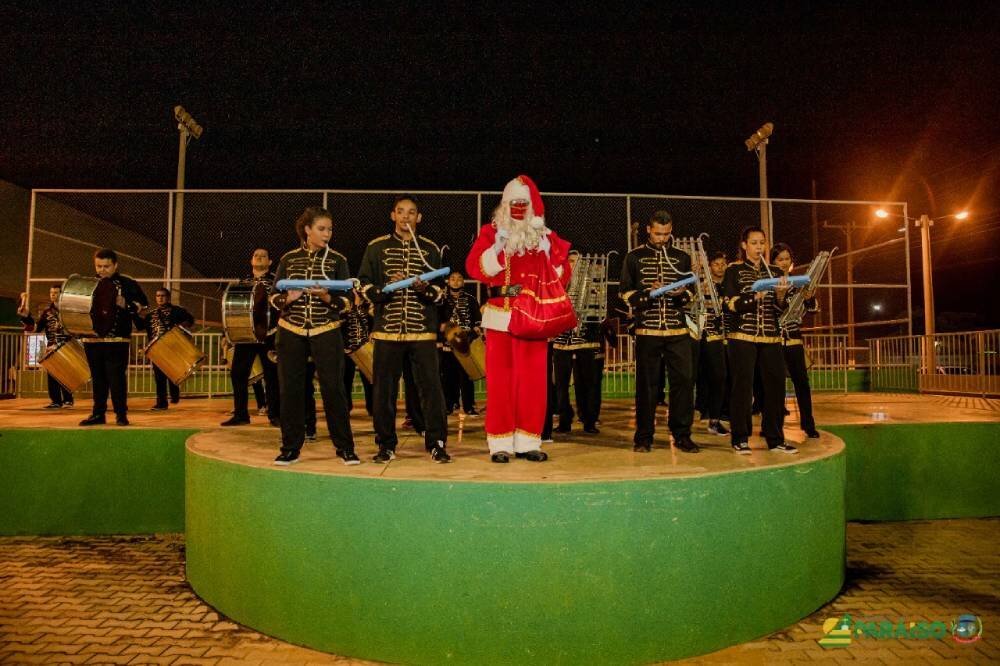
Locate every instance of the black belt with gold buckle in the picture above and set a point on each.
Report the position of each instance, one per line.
(509, 290)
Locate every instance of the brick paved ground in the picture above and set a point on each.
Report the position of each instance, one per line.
(124, 600)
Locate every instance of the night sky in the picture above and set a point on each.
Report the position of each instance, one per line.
(872, 100)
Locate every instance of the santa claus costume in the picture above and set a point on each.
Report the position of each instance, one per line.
(526, 268)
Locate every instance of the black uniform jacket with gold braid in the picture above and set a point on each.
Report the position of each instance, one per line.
(587, 336)
(135, 300)
(357, 327)
(752, 320)
(162, 318)
(792, 331)
(49, 324)
(461, 309)
(404, 314)
(309, 315)
(715, 324)
(645, 266)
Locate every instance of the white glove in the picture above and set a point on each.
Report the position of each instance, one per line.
(544, 245)
(500, 241)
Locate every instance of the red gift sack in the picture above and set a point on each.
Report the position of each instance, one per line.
(542, 309)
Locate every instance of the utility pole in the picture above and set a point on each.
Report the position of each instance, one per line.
(758, 143)
(187, 127)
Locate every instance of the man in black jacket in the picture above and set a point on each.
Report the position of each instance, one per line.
(55, 334)
(158, 321)
(107, 355)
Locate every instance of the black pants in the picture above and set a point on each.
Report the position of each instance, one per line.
(674, 352)
(582, 365)
(411, 397)
(310, 398)
(58, 393)
(595, 395)
(161, 388)
(350, 367)
(390, 361)
(243, 357)
(260, 396)
(327, 352)
(456, 383)
(795, 362)
(108, 363)
(767, 360)
(711, 382)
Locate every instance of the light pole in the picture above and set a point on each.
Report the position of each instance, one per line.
(758, 143)
(187, 127)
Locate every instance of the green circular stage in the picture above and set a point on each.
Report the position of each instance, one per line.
(599, 556)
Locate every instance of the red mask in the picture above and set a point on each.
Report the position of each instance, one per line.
(518, 209)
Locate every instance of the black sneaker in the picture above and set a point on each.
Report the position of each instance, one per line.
(500, 457)
(533, 456)
(384, 456)
(287, 458)
(812, 434)
(158, 408)
(53, 405)
(591, 430)
(563, 430)
(472, 412)
(642, 447)
(439, 455)
(121, 420)
(784, 447)
(686, 445)
(94, 419)
(236, 421)
(716, 428)
(67, 405)
(742, 448)
(174, 401)
(310, 437)
(349, 457)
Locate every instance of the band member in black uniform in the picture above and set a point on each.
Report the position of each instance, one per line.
(55, 334)
(158, 321)
(357, 329)
(245, 353)
(458, 309)
(309, 326)
(754, 342)
(792, 347)
(406, 328)
(711, 385)
(108, 356)
(661, 333)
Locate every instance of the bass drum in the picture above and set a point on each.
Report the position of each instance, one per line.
(67, 364)
(245, 313)
(256, 369)
(364, 358)
(474, 361)
(87, 306)
(175, 354)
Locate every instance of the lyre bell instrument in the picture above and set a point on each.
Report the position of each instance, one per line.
(588, 288)
(797, 303)
(706, 296)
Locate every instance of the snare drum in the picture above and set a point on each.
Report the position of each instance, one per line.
(364, 358)
(175, 354)
(473, 362)
(87, 305)
(245, 313)
(67, 364)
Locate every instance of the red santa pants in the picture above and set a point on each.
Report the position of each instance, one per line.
(516, 391)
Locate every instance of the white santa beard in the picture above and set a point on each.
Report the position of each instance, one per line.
(522, 236)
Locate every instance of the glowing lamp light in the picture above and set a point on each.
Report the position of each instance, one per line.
(877, 307)
(962, 216)
(882, 213)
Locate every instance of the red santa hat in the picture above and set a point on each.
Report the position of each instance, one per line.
(523, 187)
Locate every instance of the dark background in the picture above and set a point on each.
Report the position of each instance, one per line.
(869, 101)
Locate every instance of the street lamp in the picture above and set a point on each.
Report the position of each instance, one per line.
(758, 143)
(188, 128)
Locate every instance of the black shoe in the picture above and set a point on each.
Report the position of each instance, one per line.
(591, 430)
(174, 401)
(287, 458)
(158, 408)
(812, 434)
(384, 456)
(742, 448)
(310, 437)
(121, 420)
(93, 419)
(67, 405)
(53, 405)
(686, 445)
(275, 421)
(439, 455)
(407, 422)
(716, 428)
(785, 409)
(236, 421)
(563, 430)
(500, 457)
(642, 447)
(349, 457)
(784, 447)
(533, 456)
(472, 412)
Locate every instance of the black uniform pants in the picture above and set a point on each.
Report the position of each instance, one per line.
(327, 352)
(711, 378)
(350, 367)
(456, 383)
(161, 388)
(795, 361)
(108, 363)
(243, 357)
(390, 360)
(675, 353)
(767, 360)
(58, 393)
(582, 365)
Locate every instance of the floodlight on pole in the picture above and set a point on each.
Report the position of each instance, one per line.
(188, 127)
(758, 143)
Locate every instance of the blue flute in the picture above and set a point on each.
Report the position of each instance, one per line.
(768, 284)
(683, 282)
(408, 282)
(329, 285)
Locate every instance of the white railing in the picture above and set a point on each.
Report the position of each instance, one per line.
(962, 363)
